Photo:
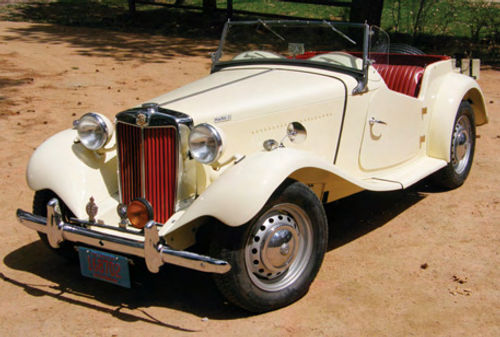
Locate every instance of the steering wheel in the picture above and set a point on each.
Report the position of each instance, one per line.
(257, 54)
(340, 58)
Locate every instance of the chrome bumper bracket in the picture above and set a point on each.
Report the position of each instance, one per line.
(151, 249)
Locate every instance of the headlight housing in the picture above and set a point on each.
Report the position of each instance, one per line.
(205, 143)
(94, 130)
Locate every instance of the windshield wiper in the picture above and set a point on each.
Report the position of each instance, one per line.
(271, 30)
(340, 33)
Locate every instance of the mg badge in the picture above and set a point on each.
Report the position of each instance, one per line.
(141, 119)
(91, 209)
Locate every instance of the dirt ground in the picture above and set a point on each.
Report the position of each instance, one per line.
(415, 263)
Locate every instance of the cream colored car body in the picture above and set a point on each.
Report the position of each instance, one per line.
(343, 153)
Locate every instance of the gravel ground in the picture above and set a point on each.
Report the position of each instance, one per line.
(419, 262)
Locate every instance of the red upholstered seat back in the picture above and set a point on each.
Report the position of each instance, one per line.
(401, 78)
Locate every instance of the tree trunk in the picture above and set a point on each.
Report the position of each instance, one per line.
(229, 9)
(366, 10)
(209, 6)
(417, 26)
(131, 7)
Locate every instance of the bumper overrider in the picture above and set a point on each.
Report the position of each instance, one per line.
(152, 249)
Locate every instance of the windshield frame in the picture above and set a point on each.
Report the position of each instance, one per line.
(359, 74)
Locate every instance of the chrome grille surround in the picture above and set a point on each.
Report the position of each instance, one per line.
(150, 164)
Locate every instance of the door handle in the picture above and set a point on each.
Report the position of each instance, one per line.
(376, 121)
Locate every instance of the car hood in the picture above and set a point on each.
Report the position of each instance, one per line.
(247, 92)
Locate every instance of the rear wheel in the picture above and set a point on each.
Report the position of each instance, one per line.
(275, 256)
(463, 141)
(40, 201)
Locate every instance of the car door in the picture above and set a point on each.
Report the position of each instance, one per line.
(393, 130)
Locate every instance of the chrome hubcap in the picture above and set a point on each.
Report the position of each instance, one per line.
(276, 246)
(279, 248)
(461, 144)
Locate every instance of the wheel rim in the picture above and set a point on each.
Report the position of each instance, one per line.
(279, 247)
(461, 145)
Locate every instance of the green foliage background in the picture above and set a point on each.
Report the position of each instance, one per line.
(462, 27)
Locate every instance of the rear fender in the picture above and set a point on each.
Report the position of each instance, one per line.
(73, 172)
(454, 89)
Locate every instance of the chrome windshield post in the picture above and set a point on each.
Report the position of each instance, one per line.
(218, 53)
(362, 84)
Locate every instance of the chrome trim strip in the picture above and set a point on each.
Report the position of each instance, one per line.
(180, 166)
(143, 166)
(87, 224)
(153, 250)
(118, 171)
(215, 87)
(178, 173)
(161, 117)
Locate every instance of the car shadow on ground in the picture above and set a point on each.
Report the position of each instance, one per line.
(352, 217)
(179, 288)
(173, 287)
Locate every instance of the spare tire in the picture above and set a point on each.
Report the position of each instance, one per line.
(403, 48)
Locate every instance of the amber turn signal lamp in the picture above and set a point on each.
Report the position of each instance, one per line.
(139, 212)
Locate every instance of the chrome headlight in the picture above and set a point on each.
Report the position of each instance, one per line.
(205, 143)
(94, 130)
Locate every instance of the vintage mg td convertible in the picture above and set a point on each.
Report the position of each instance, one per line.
(293, 115)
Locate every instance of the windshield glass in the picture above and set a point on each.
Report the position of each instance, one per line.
(379, 46)
(315, 43)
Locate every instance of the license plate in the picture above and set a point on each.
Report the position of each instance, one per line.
(104, 266)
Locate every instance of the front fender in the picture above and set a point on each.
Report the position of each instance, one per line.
(73, 172)
(242, 190)
(454, 89)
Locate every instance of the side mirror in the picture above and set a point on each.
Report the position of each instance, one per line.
(296, 132)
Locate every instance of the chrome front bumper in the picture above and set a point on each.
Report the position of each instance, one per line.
(152, 249)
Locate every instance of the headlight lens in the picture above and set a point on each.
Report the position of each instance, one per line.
(93, 130)
(205, 143)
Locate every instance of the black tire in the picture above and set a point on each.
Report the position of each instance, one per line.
(276, 255)
(403, 48)
(463, 142)
(40, 201)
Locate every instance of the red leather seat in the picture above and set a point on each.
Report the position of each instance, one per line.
(401, 78)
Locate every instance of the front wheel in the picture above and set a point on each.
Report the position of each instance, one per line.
(275, 256)
(463, 141)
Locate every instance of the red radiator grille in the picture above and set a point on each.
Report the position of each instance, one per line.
(160, 155)
(129, 152)
(160, 166)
